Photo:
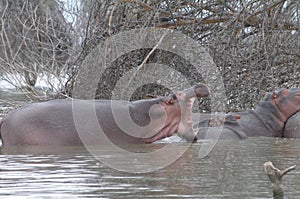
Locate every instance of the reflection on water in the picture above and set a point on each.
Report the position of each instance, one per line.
(231, 170)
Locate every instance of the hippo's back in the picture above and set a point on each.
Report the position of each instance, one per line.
(44, 123)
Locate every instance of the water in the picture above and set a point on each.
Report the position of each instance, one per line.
(234, 169)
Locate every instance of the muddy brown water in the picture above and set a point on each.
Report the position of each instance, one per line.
(233, 169)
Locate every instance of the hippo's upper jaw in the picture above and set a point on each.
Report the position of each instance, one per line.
(198, 90)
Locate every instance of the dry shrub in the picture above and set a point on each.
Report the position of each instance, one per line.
(255, 44)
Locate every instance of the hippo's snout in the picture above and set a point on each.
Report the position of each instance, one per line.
(198, 90)
(201, 90)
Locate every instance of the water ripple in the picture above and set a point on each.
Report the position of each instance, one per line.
(231, 170)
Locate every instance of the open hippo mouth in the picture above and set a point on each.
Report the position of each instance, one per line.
(178, 109)
(186, 100)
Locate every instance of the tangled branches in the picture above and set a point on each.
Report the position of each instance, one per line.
(255, 44)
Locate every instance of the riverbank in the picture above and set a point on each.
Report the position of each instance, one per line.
(14, 93)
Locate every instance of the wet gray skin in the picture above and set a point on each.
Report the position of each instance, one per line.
(267, 119)
(52, 122)
(292, 126)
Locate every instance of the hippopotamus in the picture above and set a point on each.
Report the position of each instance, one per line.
(292, 126)
(208, 126)
(52, 122)
(267, 119)
(230, 127)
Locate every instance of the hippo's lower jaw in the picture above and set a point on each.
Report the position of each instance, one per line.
(167, 131)
(179, 127)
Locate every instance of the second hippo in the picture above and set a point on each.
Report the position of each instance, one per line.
(267, 119)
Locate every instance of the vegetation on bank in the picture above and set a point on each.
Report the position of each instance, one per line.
(255, 44)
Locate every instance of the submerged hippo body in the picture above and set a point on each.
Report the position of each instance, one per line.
(52, 122)
(292, 126)
(267, 119)
(215, 126)
(223, 127)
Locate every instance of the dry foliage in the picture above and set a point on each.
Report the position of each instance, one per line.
(255, 44)
(34, 41)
